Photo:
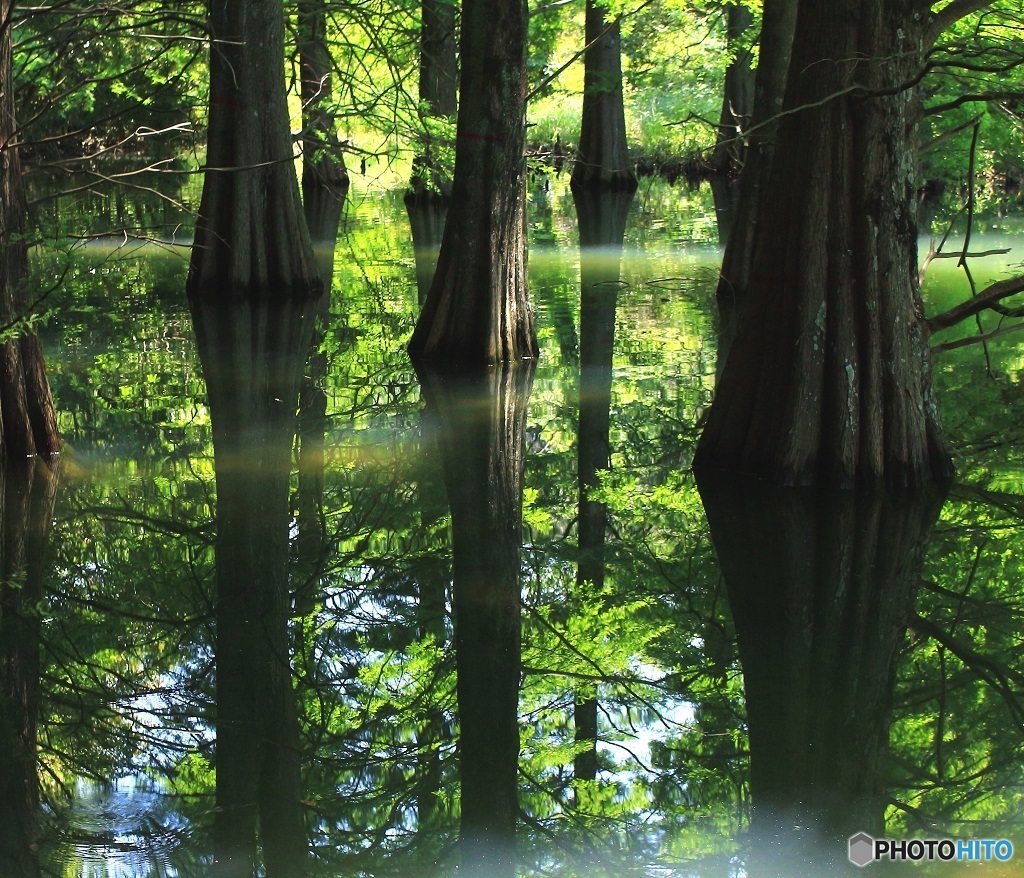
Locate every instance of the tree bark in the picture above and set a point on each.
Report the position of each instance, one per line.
(252, 357)
(778, 23)
(737, 94)
(438, 91)
(477, 310)
(481, 415)
(821, 587)
(27, 416)
(602, 157)
(251, 238)
(323, 163)
(829, 380)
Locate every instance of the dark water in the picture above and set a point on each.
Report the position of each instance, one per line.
(485, 619)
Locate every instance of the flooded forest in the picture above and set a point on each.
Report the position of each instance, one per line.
(499, 438)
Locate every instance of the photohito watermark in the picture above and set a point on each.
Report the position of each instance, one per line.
(864, 849)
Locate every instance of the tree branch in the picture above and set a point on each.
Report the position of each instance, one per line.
(951, 14)
(975, 339)
(973, 98)
(985, 299)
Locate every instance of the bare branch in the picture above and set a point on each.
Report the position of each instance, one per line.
(996, 292)
(973, 98)
(975, 339)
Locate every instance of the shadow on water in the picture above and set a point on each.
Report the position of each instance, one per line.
(479, 419)
(28, 492)
(602, 226)
(821, 587)
(253, 355)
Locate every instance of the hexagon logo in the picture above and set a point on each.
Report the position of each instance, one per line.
(862, 849)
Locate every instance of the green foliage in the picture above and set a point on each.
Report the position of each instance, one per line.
(92, 76)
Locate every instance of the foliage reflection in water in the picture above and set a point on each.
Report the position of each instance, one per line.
(637, 748)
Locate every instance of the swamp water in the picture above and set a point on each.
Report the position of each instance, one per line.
(611, 695)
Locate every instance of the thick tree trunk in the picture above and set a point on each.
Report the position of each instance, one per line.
(27, 416)
(477, 310)
(602, 157)
(252, 361)
(778, 23)
(251, 237)
(829, 380)
(323, 163)
(821, 587)
(481, 415)
(737, 95)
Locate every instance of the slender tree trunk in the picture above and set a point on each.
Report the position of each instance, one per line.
(251, 237)
(253, 356)
(482, 418)
(323, 163)
(821, 585)
(737, 94)
(602, 157)
(477, 310)
(829, 380)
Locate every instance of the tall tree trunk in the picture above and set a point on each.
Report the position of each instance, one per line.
(737, 94)
(602, 157)
(482, 419)
(252, 357)
(323, 163)
(778, 23)
(602, 224)
(27, 416)
(251, 236)
(829, 380)
(477, 310)
(821, 587)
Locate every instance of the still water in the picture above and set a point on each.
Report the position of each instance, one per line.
(487, 622)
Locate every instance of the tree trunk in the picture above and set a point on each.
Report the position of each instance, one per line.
(602, 157)
(27, 416)
(252, 361)
(829, 380)
(482, 418)
(737, 94)
(323, 163)
(251, 237)
(778, 23)
(438, 92)
(821, 587)
(477, 310)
